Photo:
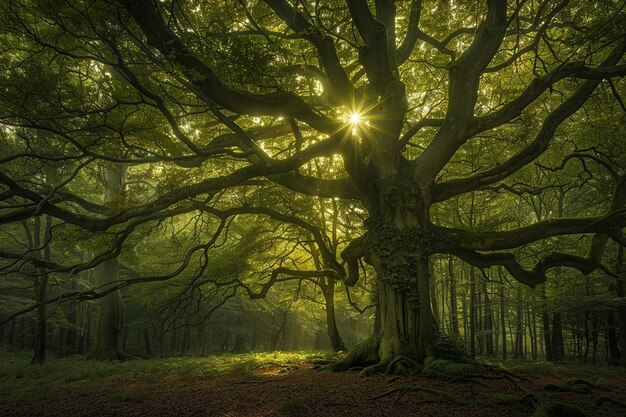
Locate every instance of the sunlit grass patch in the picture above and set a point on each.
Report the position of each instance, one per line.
(18, 379)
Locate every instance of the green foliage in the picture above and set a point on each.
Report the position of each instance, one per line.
(446, 368)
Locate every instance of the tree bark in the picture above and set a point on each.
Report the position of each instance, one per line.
(41, 289)
(502, 322)
(328, 290)
(404, 325)
(110, 326)
(454, 317)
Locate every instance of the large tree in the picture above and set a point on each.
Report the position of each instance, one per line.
(389, 97)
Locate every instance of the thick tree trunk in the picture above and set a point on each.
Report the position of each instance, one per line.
(110, 327)
(404, 324)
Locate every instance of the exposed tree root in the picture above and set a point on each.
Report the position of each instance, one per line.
(365, 353)
(605, 399)
(558, 410)
(403, 389)
(529, 401)
(374, 369)
(405, 366)
(107, 356)
(579, 386)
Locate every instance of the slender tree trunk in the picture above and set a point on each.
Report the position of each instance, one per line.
(472, 312)
(11, 336)
(621, 292)
(519, 332)
(327, 285)
(433, 294)
(488, 322)
(614, 354)
(545, 320)
(240, 339)
(532, 333)
(454, 318)
(502, 322)
(280, 330)
(558, 348)
(41, 289)
(328, 290)
(146, 341)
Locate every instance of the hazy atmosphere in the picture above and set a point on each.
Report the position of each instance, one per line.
(312, 208)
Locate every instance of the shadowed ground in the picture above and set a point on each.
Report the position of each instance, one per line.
(286, 384)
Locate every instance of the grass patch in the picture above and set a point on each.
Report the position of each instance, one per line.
(545, 368)
(20, 380)
(129, 395)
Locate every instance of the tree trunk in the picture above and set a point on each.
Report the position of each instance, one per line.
(404, 325)
(614, 354)
(488, 322)
(545, 319)
(433, 294)
(454, 318)
(621, 292)
(472, 324)
(110, 327)
(240, 339)
(328, 290)
(518, 352)
(146, 341)
(558, 349)
(41, 289)
(502, 322)
(11, 336)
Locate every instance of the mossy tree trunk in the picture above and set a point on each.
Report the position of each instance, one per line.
(398, 250)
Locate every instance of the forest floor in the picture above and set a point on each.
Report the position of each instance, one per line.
(286, 384)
